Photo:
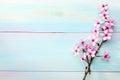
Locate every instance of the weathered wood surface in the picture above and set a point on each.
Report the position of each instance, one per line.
(51, 52)
(54, 15)
(58, 76)
(37, 38)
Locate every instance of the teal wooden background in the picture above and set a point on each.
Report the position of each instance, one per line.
(37, 38)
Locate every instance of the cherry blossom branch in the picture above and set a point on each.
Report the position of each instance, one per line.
(87, 69)
(90, 47)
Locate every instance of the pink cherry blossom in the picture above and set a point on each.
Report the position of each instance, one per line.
(76, 52)
(106, 35)
(110, 22)
(108, 28)
(76, 49)
(103, 7)
(82, 42)
(91, 54)
(86, 46)
(92, 48)
(83, 57)
(105, 15)
(106, 55)
(95, 31)
(97, 24)
(93, 40)
(91, 51)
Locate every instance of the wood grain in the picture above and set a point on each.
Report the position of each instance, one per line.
(37, 38)
(51, 52)
(54, 15)
(58, 76)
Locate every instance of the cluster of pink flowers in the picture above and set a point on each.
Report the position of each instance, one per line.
(102, 31)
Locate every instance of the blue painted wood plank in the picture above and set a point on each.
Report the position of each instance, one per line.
(58, 76)
(51, 52)
(54, 15)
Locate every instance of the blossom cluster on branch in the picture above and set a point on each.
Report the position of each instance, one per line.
(87, 49)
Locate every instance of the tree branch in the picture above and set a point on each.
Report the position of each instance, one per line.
(88, 70)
